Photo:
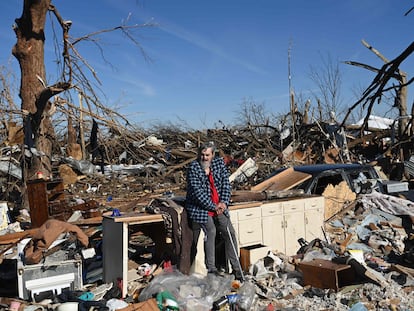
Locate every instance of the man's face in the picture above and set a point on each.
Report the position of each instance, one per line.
(206, 157)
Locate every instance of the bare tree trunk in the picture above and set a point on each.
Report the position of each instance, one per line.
(29, 51)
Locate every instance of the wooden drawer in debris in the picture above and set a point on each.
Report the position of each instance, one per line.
(49, 276)
(251, 254)
(322, 273)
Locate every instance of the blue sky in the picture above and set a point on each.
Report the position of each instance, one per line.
(207, 57)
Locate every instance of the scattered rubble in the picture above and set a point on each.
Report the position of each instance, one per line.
(370, 234)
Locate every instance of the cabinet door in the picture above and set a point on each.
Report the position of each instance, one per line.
(314, 217)
(294, 223)
(274, 233)
(272, 224)
(313, 224)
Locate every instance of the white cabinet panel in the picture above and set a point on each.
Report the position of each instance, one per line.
(249, 213)
(274, 232)
(233, 215)
(235, 223)
(280, 224)
(250, 232)
(314, 218)
(297, 205)
(314, 203)
(294, 224)
(314, 223)
(271, 209)
(248, 226)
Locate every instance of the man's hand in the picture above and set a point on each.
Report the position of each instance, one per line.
(220, 208)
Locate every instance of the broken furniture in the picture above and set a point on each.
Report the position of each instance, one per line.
(53, 274)
(251, 254)
(42, 194)
(115, 242)
(323, 273)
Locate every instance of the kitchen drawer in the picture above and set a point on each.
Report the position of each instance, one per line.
(251, 254)
(270, 209)
(249, 213)
(250, 232)
(315, 203)
(294, 206)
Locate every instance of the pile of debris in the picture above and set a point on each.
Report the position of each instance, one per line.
(365, 262)
(370, 235)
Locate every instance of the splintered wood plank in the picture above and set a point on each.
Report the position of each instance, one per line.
(337, 198)
(285, 180)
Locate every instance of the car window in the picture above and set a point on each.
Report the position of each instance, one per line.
(363, 181)
(360, 175)
(321, 182)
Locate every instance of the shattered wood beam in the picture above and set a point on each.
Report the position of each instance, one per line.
(369, 137)
(283, 181)
(16, 236)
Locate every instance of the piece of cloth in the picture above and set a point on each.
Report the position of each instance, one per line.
(198, 198)
(46, 234)
(181, 233)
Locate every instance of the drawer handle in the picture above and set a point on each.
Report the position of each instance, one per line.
(250, 231)
(249, 214)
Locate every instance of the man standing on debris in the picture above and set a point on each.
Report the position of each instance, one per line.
(207, 200)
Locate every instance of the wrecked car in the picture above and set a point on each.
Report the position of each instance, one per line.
(313, 179)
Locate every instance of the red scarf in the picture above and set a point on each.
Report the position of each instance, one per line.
(214, 194)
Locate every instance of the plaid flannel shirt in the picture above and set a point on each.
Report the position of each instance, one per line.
(198, 199)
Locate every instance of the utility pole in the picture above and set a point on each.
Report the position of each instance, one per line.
(291, 99)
